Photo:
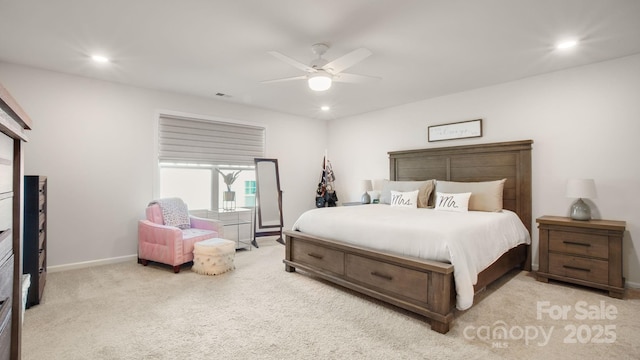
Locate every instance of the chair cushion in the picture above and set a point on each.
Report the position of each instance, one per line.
(192, 236)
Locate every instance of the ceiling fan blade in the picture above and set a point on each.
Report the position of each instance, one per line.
(354, 78)
(292, 62)
(347, 61)
(301, 77)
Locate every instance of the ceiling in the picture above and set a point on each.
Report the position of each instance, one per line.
(421, 49)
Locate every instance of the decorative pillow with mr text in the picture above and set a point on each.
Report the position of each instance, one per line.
(404, 199)
(452, 202)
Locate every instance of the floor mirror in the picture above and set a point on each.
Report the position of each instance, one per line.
(268, 200)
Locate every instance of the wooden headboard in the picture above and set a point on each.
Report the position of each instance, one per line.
(483, 162)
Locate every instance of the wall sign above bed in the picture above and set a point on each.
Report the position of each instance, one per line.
(457, 130)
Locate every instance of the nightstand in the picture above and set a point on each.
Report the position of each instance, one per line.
(587, 253)
(355, 203)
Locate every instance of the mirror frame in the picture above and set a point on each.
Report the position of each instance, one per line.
(258, 213)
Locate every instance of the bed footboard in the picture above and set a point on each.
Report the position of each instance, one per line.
(421, 286)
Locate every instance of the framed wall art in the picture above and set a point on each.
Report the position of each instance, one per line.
(457, 130)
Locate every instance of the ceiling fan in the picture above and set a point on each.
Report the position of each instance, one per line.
(321, 73)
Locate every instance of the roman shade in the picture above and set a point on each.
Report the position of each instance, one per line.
(196, 141)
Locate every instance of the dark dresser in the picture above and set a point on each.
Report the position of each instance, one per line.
(35, 235)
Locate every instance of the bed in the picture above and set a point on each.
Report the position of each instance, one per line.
(425, 287)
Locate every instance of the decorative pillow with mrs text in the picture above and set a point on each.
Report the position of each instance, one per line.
(404, 199)
(424, 195)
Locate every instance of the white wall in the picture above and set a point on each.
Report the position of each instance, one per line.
(94, 140)
(585, 122)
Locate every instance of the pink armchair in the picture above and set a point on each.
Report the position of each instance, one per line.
(169, 244)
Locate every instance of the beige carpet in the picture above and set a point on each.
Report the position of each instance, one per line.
(259, 311)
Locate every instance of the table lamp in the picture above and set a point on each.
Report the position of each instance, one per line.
(581, 189)
(366, 186)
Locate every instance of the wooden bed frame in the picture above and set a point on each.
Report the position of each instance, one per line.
(421, 286)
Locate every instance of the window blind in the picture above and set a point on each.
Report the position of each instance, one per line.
(195, 141)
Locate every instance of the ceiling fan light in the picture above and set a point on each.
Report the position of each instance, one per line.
(319, 81)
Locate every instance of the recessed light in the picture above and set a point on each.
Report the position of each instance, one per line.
(325, 108)
(100, 58)
(566, 44)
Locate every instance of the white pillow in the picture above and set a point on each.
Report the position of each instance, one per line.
(452, 202)
(404, 199)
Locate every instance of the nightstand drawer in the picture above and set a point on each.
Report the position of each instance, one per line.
(576, 267)
(575, 243)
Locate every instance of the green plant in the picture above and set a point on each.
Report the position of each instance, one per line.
(229, 178)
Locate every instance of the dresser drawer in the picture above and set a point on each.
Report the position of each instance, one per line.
(5, 328)
(6, 278)
(318, 256)
(41, 238)
(6, 175)
(575, 243)
(6, 163)
(576, 267)
(42, 256)
(388, 277)
(42, 279)
(6, 211)
(6, 244)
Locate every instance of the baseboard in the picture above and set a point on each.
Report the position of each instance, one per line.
(115, 260)
(632, 284)
(86, 264)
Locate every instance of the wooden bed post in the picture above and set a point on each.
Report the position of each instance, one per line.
(441, 300)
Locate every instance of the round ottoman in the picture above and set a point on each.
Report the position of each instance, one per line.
(213, 256)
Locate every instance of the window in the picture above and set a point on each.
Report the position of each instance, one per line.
(191, 151)
(242, 197)
(192, 185)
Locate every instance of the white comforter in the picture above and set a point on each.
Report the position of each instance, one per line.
(471, 241)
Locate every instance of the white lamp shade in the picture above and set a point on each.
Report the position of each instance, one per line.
(319, 81)
(365, 185)
(581, 189)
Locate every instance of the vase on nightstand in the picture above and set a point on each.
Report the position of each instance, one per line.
(229, 200)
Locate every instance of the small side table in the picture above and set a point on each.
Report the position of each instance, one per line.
(587, 253)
